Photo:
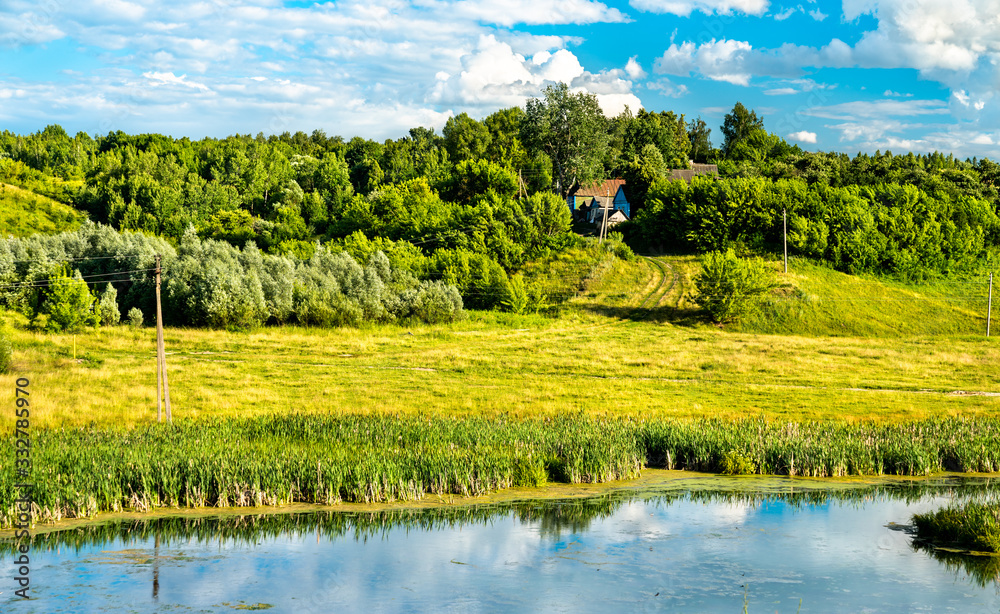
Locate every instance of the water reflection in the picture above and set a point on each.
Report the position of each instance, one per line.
(686, 550)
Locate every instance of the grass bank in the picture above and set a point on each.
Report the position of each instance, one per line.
(280, 459)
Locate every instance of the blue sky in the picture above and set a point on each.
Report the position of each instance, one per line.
(857, 75)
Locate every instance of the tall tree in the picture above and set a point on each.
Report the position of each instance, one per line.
(701, 145)
(572, 130)
(465, 138)
(738, 125)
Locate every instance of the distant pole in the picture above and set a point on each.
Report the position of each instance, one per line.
(784, 219)
(604, 222)
(161, 354)
(989, 307)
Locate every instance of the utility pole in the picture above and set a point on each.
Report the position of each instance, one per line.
(989, 307)
(784, 220)
(604, 222)
(161, 354)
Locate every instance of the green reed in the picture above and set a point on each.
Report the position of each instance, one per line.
(279, 459)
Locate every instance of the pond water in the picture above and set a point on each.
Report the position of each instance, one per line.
(695, 551)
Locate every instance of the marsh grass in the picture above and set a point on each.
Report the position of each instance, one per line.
(281, 459)
(971, 526)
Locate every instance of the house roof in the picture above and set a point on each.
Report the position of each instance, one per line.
(601, 189)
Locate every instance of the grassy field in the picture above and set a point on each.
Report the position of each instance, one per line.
(23, 213)
(612, 351)
(628, 367)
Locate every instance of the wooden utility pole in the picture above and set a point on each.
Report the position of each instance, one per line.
(604, 222)
(161, 354)
(989, 307)
(784, 220)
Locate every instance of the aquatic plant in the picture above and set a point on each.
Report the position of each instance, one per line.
(972, 526)
(278, 459)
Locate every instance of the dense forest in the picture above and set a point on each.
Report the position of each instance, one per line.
(322, 230)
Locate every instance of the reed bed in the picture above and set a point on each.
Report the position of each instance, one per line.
(974, 525)
(280, 459)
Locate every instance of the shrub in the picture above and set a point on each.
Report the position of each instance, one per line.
(108, 307)
(69, 305)
(135, 317)
(728, 286)
(6, 354)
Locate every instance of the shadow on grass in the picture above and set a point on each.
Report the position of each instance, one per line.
(681, 316)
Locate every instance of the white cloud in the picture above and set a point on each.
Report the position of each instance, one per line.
(634, 69)
(781, 91)
(159, 78)
(785, 14)
(206, 60)
(665, 87)
(803, 136)
(818, 15)
(495, 75)
(877, 109)
(538, 12)
(685, 7)
(722, 60)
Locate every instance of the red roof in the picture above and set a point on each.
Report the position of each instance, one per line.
(609, 186)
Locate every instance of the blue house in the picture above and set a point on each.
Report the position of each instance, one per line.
(586, 201)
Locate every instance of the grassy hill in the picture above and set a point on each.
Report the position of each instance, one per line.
(23, 213)
(812, 300)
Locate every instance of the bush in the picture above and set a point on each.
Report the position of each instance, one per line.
(728, 286)
(108, 307)
(135, 317)
(6, 354)
(68, 305)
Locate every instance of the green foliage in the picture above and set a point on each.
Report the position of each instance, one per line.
(524, 297)
(6, 354)
(107, 307)
(737, 125)
(734, 462)
(135, 317)
(571, 130)
(324, 459)
(68, 304)
(729, 286)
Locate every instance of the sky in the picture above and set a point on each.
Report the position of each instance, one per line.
(851, 76)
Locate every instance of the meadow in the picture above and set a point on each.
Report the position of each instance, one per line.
(624, 375)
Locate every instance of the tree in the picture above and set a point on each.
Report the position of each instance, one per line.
(69, 305)
(572, 130)
(701, 145)
(728, 286)
(465, 138)
(738, 125)
(108, 307)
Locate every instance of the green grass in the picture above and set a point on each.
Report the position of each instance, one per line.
(282, 459)
(628, 375)
(24, 213)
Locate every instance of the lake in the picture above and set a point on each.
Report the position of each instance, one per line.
(770, 545)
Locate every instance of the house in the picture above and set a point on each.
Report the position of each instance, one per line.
(694, 169)
(616, 217)
(586, 201)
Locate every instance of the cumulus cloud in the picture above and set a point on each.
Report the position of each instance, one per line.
(803, 136)
(495, 75)
(226, 66)
(685, 7)
(538, 12)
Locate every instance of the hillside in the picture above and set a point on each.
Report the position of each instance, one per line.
(24, 213)
(812, 300)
